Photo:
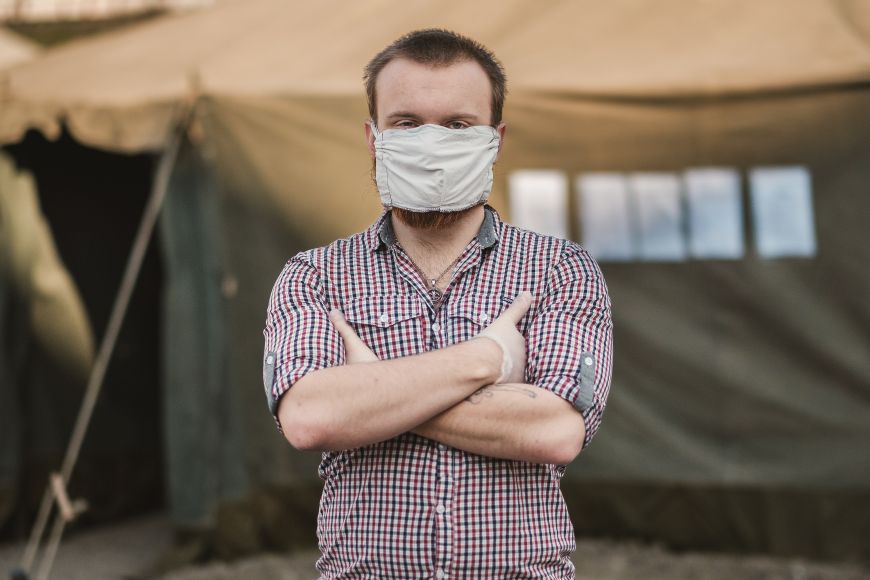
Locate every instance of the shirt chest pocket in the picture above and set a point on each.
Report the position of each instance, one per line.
(469, 315)
(392, 326)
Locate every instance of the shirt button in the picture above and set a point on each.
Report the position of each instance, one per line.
(483, 317)
(440, 509)
(588, 361)
(442, 447)
(440, 573)
(384, 318)
(436, 327)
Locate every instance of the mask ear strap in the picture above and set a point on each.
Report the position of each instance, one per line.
(374, 127)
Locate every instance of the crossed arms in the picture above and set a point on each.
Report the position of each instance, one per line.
(456, 395)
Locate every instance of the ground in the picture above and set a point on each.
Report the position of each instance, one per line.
(127, 550)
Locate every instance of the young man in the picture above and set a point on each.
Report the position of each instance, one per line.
(448, 365)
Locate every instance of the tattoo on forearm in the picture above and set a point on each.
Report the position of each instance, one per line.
(477, 396)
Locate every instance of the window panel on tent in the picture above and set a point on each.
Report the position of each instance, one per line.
(605, 216)
(659, 216)
(715, 213)
(539, 201)
(782, 211)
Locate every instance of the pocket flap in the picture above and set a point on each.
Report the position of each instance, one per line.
(382, 311)
(481, 309)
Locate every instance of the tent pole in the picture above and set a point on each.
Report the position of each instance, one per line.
(104, 355)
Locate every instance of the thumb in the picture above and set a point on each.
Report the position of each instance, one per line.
(354, 348)
(341, 325)
(518, 307)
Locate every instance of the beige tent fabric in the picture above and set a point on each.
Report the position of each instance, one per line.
(642, 49)
(122, 91)
(58, 321)
(302, 160)
(15, 49)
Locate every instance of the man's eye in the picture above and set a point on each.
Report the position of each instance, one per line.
(456, 125)
(406, 124)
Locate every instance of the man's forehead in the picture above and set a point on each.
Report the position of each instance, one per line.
(401, 68)
(404, 84)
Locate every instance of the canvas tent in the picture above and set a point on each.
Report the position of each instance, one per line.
(738, 414)
(15, 49)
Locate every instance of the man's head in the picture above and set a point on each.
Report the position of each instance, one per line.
(433, 77)
(437, 48)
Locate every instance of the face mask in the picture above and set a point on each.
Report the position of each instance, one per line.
(433, 168)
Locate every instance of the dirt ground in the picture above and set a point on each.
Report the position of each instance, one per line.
(128, 550)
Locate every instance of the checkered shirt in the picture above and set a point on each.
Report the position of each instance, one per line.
(410, 507)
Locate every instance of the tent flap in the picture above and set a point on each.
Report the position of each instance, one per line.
(624, 49)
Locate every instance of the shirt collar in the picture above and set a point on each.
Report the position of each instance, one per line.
(381, 234)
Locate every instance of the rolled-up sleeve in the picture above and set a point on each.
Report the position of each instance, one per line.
(570, 339)
(299, 336)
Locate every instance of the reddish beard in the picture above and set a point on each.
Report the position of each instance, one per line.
(430, 220)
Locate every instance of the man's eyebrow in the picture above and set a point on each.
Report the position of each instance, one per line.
(403, 115)
(416, 117)
(462, 116)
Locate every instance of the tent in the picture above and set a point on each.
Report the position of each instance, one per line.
(737, 417)
(15, 49)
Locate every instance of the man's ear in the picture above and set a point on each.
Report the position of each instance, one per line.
(370, 138)
(502, 128)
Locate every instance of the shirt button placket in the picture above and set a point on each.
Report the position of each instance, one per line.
(435, 334)
(443, 517)
(445, 462)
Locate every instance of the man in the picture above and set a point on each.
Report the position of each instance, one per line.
(400, 352)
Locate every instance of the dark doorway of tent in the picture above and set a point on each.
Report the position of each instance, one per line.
(93, 201)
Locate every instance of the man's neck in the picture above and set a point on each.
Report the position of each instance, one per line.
(433, 247)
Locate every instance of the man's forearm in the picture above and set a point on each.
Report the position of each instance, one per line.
(359, 404)
(511, 421)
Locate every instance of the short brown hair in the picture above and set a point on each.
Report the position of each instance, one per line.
(439, 47)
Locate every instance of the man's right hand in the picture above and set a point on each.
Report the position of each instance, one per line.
(503, 331)
(355, 350)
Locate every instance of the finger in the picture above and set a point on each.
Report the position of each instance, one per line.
(343, 327)
(518, 307)
(355, 348)
(338, 320)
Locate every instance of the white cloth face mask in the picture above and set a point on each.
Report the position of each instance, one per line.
(433, 168)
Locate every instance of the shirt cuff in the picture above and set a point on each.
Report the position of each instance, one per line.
(278, 381)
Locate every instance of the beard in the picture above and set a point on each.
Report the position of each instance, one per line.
(431, 220)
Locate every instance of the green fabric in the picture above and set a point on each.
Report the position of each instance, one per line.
(203, 438)
(222, 447)
(750, 372)
(775, 520)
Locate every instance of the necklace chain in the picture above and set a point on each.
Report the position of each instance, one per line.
(433, 290)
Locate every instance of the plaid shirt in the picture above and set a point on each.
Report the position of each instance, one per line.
(410, 507)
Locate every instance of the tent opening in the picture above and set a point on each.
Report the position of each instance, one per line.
(93, 201)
